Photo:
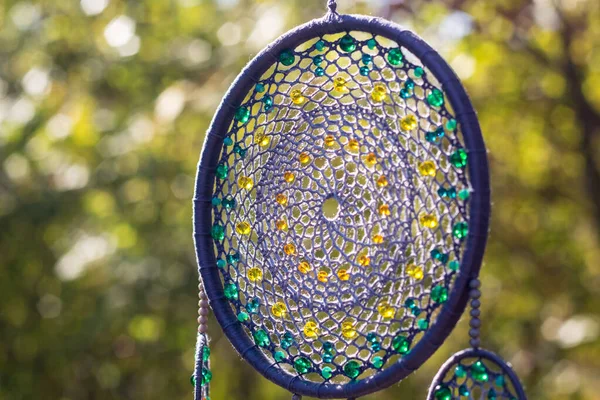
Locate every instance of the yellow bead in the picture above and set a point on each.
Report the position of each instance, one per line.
(279, 309)
(377, 239)
(364, 260)
(304, 267)
(379, 92)
(428, 221)
(289, 177)
(304, 158)
(246, 182)
(255, 274)
(353, 145)
(343, 275)
(297, 97)
(262, 139)
(371, 159)
(349, 330)
(415, 272)
(382, 181)
(340, 85)
(384, 210)
(281, 225)
(281, 199)
(385, 310)
(243, 228)
(311, 329)
(323, 276)
(427, 168)
(329, 141)
(408, 123)
(289, 249)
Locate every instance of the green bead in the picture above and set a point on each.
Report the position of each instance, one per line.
(206, 376)
(499, 381)
(221, 263)
(320, 45)
(326, 372)
(222, 171)
(279, 356)
(460, 371)
(371, 43)
(451, 124)
(463, 390)
(492, 395)
(367, 59)
(193, 380)
(377, 362)
(253, 305)
(442, 392)
(460, 230)
(287, 57)
(348, 44)
(237, 149)
(302, 365)
(454, 265)
(261, 338)
(395, 56)
(268, 103)
(459, 158)
(319, 71)
(233, 258)
(410, 303)
(352, 369)
(372, 337)
(287, 340)
(229, 203)
(418, 71)
(423, 324)
(217, 232)
(436, 98)
(243, 316)
(464, 194)
(259, 87)
(479, 372)
(231, 291)
(364, 71)
(401, 344)
(439, 294)
(317, 60)
(205, 354)
(242, 115)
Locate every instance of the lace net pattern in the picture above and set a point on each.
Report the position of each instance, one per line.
(340, 207)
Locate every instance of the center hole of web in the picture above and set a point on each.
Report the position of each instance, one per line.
(331, 208)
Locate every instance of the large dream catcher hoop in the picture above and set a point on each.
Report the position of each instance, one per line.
(341, 215)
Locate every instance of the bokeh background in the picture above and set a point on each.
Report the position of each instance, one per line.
(103, 109)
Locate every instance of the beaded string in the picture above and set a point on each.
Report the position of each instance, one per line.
(202, 374)
(475, 323)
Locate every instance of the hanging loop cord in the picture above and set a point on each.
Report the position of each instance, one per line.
(332, 5)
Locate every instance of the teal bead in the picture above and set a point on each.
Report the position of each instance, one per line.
(449, 193)
(328, 347)
(287, 340)
(228, 141)
(479, 372)
(372, 337)
(243, 316)
(492, 395)
(451, 124)
(418, 71)
(464, 194)
(409, 84)
(237, 149)
(261, 338)
(317, 60)
(327, 357)
(352, 369)
(437, 254)
(319, 71)
(375, 346)
(439, 294)
(395, 56)
(206, 376)
(405, 94)
(233, 258)
(253, 306)
(279, 356)
(371, 43)
(423, 324)
(367, 59)
(460, 371)
(377, 362)
(401, 344)
(221, 263)
(287, 57)
(205, 353)
(242, 115)
(259, 87)
(416, 311)
(268, 103)
(436, 98)
(410, 303)
(302, 365)
(320, 45)
(435, 136)
(222, 171)
(348, 44)
(326, 372)
(459, 158)
(229, 203)
(454, 265)
(442, 392)
(215, 201)
(231, 291)
(364, 71)
(499, 381)
(460, 230)
(463, 390)
(217, 232)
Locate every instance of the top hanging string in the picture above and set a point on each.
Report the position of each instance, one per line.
(332, 10)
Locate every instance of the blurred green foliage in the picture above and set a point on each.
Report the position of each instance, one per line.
(103, 108)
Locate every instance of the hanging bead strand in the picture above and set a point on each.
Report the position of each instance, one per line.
(202, 374)
(475, 323)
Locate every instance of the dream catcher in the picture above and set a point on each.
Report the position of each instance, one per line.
(341, 215)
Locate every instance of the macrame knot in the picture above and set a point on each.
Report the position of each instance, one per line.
(332, 5)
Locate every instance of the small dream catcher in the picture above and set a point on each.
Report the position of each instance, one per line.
(341, 215)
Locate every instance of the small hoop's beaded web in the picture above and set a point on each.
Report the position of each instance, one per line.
(354, 122)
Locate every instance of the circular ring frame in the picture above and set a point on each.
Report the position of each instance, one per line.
(477, 353)
(479, 206)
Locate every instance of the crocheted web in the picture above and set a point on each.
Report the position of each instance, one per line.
(340, 207)
(476, 378)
